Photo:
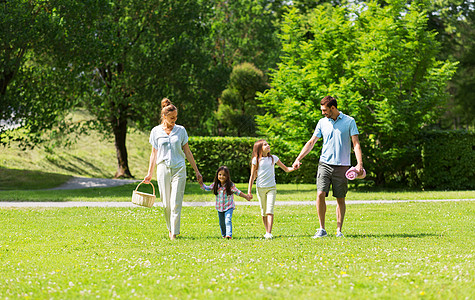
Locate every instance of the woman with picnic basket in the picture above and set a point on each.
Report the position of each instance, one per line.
(169, 149)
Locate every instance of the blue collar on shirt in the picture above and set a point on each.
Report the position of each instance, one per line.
(340, 116)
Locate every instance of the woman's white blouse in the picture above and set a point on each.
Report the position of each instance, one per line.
(169, 146)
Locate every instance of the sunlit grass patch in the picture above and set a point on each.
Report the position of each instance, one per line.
(407, 250)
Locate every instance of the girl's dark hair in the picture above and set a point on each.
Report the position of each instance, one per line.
(217, 183)
(257, 152)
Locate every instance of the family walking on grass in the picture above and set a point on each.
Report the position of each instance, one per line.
(170, 148)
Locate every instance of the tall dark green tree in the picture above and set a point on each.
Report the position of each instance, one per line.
(238, 105)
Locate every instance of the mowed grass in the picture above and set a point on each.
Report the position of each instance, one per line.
(193, 193)
(11, 179)
(391, 251)
(90, 155)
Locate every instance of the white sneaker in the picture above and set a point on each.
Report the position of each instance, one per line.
(268, 236)
(320, 233)
(339, 234)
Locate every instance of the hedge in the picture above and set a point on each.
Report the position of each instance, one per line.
(448, 159)
(235, 153)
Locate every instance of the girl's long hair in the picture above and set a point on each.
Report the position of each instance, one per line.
(257, 152)
(217, 183)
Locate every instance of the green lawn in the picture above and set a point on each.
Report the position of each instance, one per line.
(391, 251)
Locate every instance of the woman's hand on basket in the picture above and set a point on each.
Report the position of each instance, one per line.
(147, 178)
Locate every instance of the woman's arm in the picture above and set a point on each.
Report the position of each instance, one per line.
(284, 167)
(191, 159)
(151, 165)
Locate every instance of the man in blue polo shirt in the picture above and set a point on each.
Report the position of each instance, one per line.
(338, 132)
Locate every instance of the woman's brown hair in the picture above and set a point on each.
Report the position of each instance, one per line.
(167, 107)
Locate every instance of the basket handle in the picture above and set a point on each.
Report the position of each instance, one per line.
(148, 183)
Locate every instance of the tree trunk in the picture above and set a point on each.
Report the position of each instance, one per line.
(120, 133)
(380, 179)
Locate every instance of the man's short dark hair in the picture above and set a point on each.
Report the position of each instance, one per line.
(329, 101)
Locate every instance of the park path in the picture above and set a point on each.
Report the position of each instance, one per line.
(197, 204)
(83, 182)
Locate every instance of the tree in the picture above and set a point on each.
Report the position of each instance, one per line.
(380, 63)
(245, 31)
(454, 22)
(129, 55)
(238, 106)
(28, 29)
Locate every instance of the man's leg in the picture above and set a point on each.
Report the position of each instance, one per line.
(340, 188)
(340, 213)
(321, 208)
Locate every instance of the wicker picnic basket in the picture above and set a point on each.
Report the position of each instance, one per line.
(143, 199)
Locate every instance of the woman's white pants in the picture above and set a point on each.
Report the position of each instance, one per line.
(171, 184)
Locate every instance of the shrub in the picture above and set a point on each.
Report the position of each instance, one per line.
(235, 153)
(448, 159)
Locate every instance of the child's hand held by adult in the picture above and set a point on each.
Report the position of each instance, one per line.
(296, 165)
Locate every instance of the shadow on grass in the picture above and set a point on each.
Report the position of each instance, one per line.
(78, 165)
(297, 191)
(393, 235)
(100, 194)
(14, 179)
(240, 238)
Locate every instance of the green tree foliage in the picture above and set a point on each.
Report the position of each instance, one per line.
(454, 21)
(305, 6)
(245, 31)
(380, 63)
(238, 105)
(241, 31)
(32, 84)
(128, 55)
(118, 59)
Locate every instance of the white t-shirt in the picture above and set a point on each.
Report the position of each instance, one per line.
(265, 172)
(169, 146)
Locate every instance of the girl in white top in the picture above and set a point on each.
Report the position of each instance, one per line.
(169, 150)
(262, 170)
